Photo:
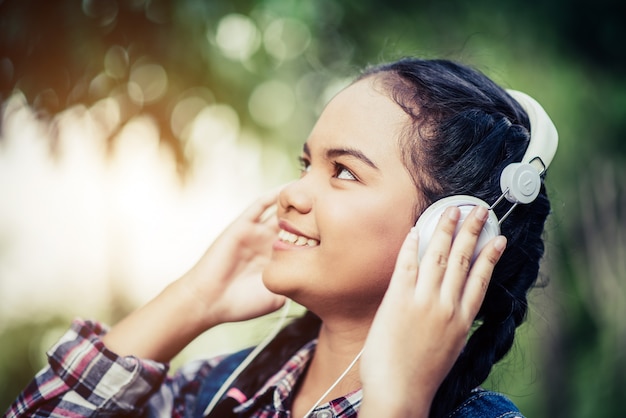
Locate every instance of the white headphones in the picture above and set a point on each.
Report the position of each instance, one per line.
(519, 182)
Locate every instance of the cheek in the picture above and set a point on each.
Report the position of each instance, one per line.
(368, 242)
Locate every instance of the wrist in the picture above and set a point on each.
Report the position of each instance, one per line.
(197, 305)
(160, 329)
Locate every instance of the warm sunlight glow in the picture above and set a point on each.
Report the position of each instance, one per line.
(185, 112)
(80, 229)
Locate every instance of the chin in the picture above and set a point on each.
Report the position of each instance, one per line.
(278, 282)
(289, 283)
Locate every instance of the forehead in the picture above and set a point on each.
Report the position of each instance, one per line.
(361, 116)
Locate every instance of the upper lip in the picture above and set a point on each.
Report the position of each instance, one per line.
(282, 224)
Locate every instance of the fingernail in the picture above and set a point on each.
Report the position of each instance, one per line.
(481, 212)
(454, 213)
(500, 243)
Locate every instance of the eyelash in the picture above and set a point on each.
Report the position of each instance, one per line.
(338, 168)
(305, 164)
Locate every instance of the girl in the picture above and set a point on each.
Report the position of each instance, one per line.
(399, 138)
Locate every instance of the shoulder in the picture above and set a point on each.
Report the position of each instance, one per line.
(206, 376)
(484, 403)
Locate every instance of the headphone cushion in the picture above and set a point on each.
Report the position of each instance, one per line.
(430, 218)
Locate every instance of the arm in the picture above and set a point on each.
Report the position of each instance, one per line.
(432, 306)
(91, 369)
(82, 376)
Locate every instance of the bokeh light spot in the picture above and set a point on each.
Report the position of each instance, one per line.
(237, 37)
(184, 113)
(107, 113)
(158, 11)
(287, 38)
(100, 86)
(135, 93)
(47, 99)
(213, 125)
(105, 11)
(151, 79)
(116, 62)
(272, 103)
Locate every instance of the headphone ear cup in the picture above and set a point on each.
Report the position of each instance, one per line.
(429, 219)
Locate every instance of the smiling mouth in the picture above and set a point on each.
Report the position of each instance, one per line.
(297, 240)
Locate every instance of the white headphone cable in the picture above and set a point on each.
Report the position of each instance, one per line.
(246, 362)
(345, 372)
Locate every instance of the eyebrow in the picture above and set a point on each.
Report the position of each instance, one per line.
(338, 152)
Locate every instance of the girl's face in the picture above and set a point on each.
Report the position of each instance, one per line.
(342, 223)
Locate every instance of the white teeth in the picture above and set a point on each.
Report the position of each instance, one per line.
(296, 239)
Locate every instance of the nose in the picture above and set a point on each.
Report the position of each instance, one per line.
(295, 196)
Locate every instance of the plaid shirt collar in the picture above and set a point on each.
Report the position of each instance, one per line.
(278, 389)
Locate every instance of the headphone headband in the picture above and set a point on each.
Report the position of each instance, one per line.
(520, 182)
(544, 137)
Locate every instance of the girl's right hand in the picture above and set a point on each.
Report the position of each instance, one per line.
(226, 281)
(224, 286)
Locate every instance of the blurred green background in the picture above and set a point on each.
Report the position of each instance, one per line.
(133, 131)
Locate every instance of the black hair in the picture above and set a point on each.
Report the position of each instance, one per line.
(465, 129)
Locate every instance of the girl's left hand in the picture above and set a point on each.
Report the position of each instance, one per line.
(424, 319)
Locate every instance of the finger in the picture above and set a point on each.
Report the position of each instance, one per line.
(480, 276)
(462, 252)
(269, 215)
(407, 265)
(435, 261)
(255, 212)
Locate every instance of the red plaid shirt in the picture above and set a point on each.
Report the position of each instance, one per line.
(83, 377)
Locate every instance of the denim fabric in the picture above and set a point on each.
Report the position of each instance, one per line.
(486, 404)
(213, 382)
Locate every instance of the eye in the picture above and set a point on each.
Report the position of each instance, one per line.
(305, 165)
(343, 173)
